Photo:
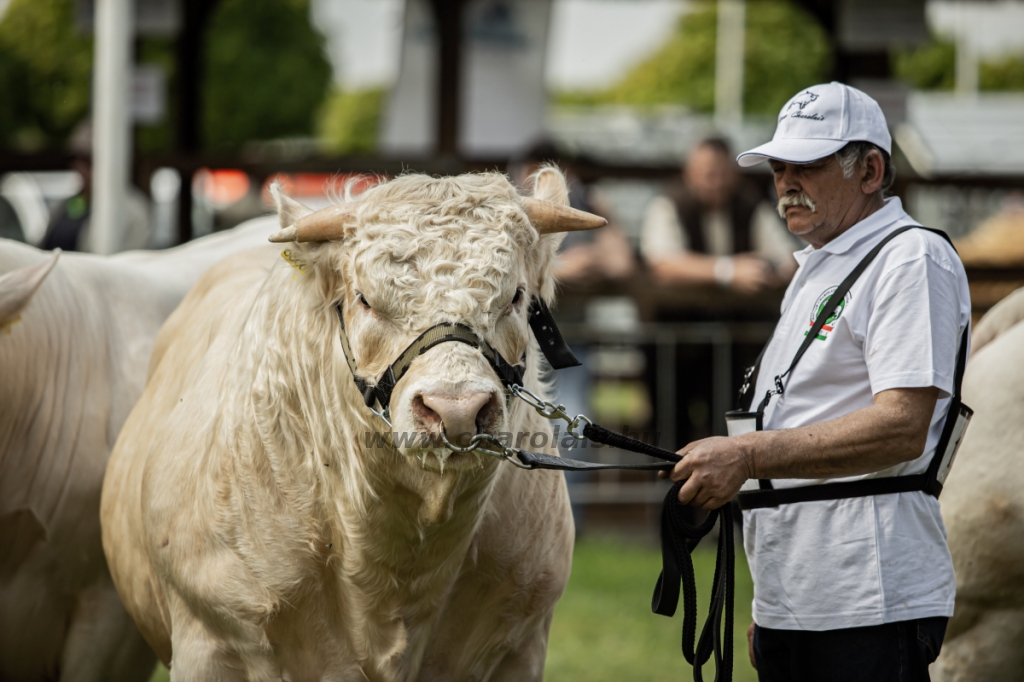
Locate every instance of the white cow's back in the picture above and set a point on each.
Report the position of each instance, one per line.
(70, 371)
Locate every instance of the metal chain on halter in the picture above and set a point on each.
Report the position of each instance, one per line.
(490, 444)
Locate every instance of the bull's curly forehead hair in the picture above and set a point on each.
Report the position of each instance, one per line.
(462, 244)
(476, 201)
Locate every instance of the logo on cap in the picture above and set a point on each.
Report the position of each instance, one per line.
(801, 101)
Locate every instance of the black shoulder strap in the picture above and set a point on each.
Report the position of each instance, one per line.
(826, 311)
(927, 482)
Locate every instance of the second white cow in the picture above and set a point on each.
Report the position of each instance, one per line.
(75, 340)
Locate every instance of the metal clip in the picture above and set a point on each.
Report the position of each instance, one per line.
(385, 414)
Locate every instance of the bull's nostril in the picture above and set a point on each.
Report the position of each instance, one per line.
(423, 413)
(487, 415)
(460, 414)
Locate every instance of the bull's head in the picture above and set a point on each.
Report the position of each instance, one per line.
(416, 252)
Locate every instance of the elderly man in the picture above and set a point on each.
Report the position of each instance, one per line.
(858, 588)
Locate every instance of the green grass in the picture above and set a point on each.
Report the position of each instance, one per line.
(604, 630)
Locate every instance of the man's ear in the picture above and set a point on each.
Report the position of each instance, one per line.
(873, 172)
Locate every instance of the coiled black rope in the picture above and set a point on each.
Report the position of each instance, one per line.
(679, 537)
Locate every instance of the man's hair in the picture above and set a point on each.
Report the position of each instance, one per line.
(715, 143)
(853, 155)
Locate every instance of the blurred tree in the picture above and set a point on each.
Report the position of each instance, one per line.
(1003, 74)
(266, 73)
(930, 67)
(933, 67)
(349, 120)
(45, 66)
(786, 49)
(158, 138)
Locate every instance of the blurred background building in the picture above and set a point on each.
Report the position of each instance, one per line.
(221, 97)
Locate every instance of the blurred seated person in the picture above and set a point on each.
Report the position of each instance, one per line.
(715, 229)
(69, 221)
(587, 256)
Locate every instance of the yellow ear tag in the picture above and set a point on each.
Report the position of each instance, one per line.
(294, 260)
(9, 327)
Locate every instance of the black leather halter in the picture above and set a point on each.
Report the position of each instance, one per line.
(541, 322)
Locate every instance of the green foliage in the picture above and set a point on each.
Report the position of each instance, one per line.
(266, 74)
(45, 66)
(349, 121)
(1003, 74)
(681, 71)
(930, 67)
(933, 67)
(604, 631)
(158, 138)
(785, 50)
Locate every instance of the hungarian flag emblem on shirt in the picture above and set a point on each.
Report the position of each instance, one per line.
(829, 325)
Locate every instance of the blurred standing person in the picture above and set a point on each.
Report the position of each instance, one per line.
(713, 228)
(69, 220)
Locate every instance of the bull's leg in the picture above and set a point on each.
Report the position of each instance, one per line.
(525, 662)
(983, 644)
(103, 642)
(244, 655)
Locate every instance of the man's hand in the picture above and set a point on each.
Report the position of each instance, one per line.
(714, 469)
(752, 274)
(750, 645)
(578, 265)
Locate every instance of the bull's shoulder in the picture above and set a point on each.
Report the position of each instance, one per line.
(208, 304)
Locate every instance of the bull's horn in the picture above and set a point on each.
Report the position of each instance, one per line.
(319, 226)
(548, 217)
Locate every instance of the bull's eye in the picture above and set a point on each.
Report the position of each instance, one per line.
(518, 297)
(363, 302)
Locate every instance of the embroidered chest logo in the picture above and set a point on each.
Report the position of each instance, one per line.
(799, 104)
(830, 322)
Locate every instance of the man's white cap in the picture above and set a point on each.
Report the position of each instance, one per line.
(820, 121)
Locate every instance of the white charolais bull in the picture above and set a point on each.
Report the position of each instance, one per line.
(75, 339)
(252, 532)
(983, 508)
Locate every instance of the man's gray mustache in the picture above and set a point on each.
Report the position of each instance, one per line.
(801, 199)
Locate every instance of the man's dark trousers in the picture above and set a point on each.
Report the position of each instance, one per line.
(893, 652)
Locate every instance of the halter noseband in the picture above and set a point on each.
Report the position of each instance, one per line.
(541, 322)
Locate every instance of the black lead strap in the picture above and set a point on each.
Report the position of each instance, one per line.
(678, 539)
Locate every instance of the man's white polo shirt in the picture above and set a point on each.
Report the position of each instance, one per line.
(869, 560)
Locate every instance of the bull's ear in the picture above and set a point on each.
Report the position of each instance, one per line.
(288, 210)
(549, 185)
(17, 288)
